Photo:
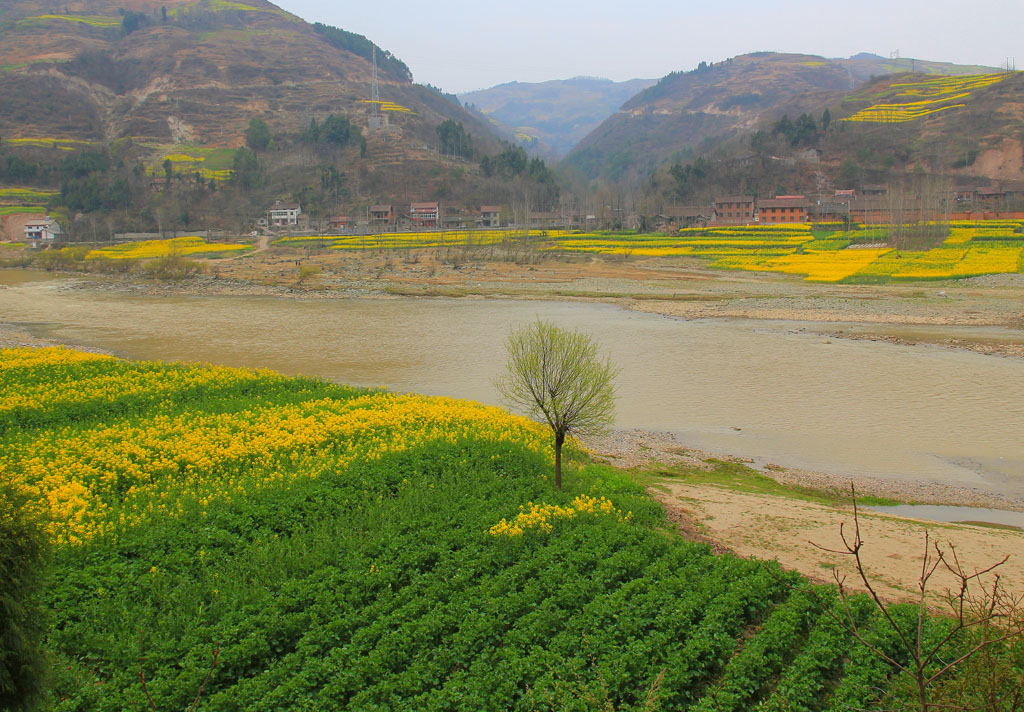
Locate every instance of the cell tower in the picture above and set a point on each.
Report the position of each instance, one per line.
(375, 117)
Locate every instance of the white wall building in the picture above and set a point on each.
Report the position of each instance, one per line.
(284, 214)
(40, 231)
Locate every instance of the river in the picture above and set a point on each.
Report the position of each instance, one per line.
(774, 391)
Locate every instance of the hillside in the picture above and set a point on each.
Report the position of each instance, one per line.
(714, 102)
(182, 79)
(549, 118)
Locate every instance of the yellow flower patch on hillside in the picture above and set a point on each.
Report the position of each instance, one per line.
(542, 517)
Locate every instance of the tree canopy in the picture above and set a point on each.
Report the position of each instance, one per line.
(558, 377)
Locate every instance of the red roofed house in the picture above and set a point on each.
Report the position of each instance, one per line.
(734, 210)
(339, 222)
(424, 214)
(490, 216)
(784, 209)
(381, 215)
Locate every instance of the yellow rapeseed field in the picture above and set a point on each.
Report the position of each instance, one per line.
(149, 249)
(87, 481)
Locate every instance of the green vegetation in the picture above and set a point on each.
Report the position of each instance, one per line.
(556, 376)
(198, 508)
(454, 140)
(22, 666)
(14, 209)
(257, 136)
(359, 45)
(743, 478)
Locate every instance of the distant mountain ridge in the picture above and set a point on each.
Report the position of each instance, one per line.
(685, 109)
(549, 118)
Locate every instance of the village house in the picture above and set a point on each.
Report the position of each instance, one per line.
(834, 211)
(871, 210)
(41, 231)
(783, 209)
(679, 216)
(339, 223)
(964, 193)
(845, 196)
(381, 215)
(283, 214)
(423, 215)
(990, 196)
(734, 210)
(490, 216)
(556, 219)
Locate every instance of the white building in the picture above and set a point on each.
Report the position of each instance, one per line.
(284, 214)
(42, 231)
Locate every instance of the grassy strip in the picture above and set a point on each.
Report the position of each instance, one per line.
(743, 478)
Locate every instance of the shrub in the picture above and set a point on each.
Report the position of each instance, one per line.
(21, 555)
(173, 268)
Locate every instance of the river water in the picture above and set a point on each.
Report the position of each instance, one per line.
(770, 390)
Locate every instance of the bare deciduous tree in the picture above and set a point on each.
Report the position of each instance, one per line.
(557, 376)
(984, 615)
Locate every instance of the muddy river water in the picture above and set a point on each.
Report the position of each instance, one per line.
(775, 391)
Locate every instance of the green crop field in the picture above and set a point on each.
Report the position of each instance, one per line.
(345, 549)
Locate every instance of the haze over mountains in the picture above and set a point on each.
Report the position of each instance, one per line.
(549, 118)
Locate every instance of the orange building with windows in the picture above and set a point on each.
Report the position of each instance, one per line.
(734, 210)
(783, 209)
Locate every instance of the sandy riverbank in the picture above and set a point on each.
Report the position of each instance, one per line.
(791, 529)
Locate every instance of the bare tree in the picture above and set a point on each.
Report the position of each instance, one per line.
(557, 376)
(985, 610)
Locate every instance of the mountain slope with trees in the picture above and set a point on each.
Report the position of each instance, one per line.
(687, 112)
(197, 114)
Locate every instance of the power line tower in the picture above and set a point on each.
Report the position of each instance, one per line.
(376, 120)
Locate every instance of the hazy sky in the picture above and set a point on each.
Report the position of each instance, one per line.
(459, 46)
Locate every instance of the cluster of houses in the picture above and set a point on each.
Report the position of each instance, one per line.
(871, 205)
(419, 216)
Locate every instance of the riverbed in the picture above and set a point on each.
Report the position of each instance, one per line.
(776, 391)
